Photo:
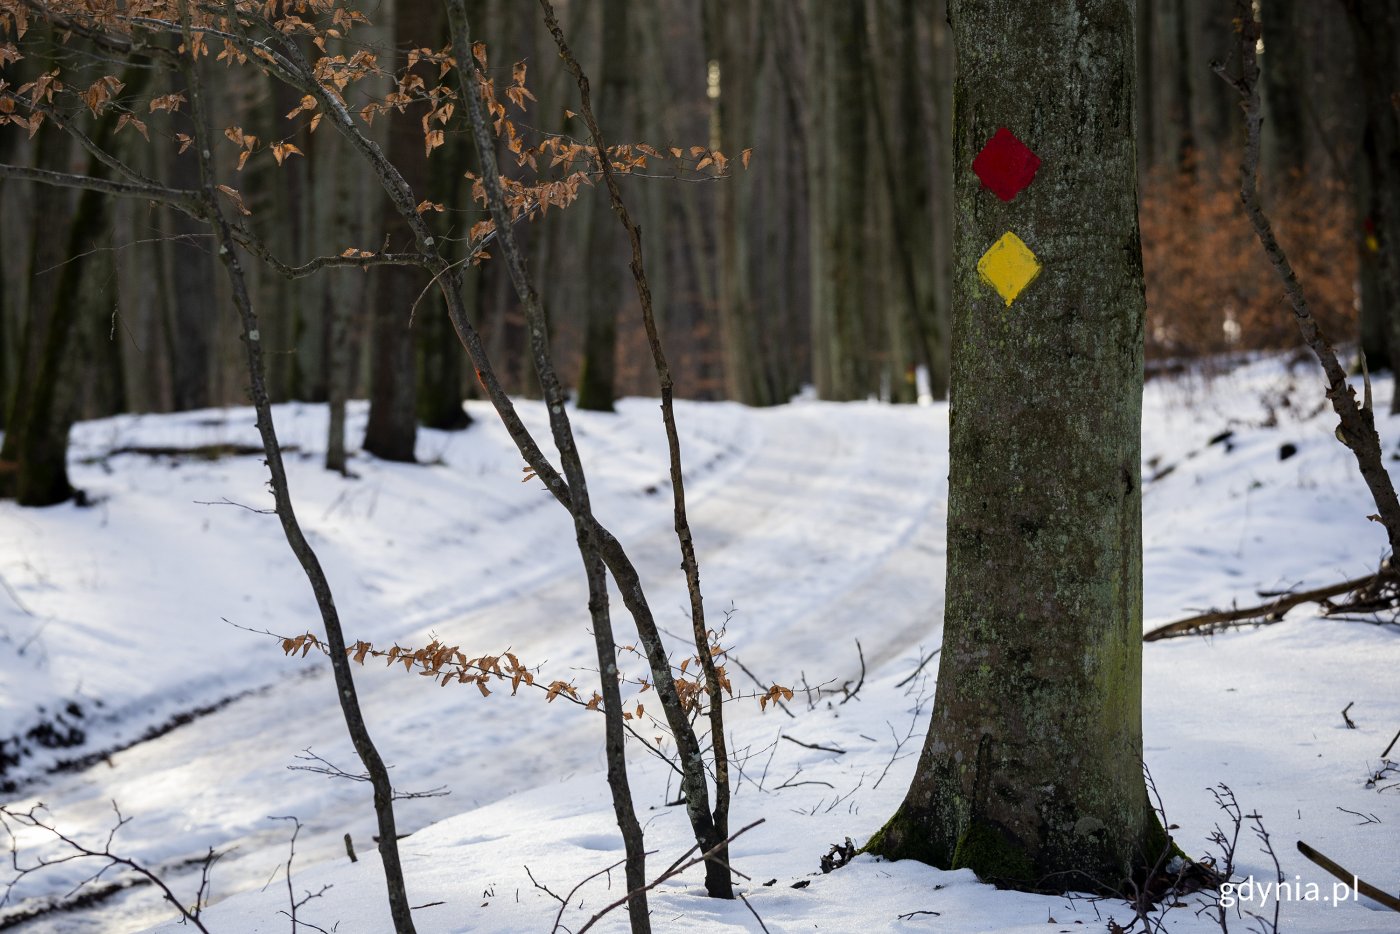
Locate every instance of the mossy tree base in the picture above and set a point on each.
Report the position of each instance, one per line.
(1001, 860)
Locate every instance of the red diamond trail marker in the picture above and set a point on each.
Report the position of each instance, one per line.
(1005, 165)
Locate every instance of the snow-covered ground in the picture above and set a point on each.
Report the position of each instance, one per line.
(818, 525)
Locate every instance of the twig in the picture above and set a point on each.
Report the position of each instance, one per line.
(927, 658)
(543, 888)
(1268, 849)
(1393, 740)
(1350, 724)
(839, 752)
(564, 902)
(1365, 818)
(792, 784)
(663, 877)
(899, 743)
(328, 768)
(745, 900)
(910, 914)
(20, 603)
(859, 684)
(32, 819)
(228, 502)
(761, 685)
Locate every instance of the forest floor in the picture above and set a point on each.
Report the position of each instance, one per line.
(819, 526)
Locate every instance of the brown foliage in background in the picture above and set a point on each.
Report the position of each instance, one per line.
(1210, 289)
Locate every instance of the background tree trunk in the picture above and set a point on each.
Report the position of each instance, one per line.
(736, 48)
(393, 396)
(442, 364)
(1031, 774)
(1286, 93)
(1376, 26)
(71, 296)
(604, 287)
(839, 167)
(187, 295)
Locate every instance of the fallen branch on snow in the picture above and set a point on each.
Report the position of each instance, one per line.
(1360, 885)
(1371, 593)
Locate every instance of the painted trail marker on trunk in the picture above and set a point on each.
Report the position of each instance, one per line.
(1005, 167)
(1008, 266)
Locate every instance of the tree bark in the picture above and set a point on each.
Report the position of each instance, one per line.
(1031, 774)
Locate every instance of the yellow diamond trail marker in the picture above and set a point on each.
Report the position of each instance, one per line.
(1008, 266)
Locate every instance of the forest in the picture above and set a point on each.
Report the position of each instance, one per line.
(972, 421)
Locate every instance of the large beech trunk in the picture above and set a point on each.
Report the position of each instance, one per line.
(1032, 771)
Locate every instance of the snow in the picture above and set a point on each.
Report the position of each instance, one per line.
(818, 525)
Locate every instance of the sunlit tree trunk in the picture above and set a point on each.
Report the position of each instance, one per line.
(1031, 773)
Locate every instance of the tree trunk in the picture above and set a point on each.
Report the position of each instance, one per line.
(735, 39)
(441, 363)
(393, 399)
(1147, 111)
(1376, 26)
(46, 253)
(839, 168)
(1031, 774)
(187, 292)
(63, 317)
(603, 293)
(1286, 94)
(341, 207)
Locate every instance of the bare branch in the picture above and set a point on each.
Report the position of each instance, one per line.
(32, 819)
(186, 201)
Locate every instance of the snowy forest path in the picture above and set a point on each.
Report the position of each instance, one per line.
(805, 517)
